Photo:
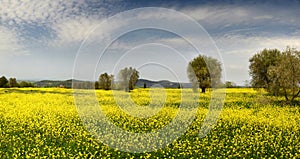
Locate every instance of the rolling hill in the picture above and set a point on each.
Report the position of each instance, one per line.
(140, 83)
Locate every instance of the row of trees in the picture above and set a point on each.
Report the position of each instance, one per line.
(278, 72)
(127, 79)
(203, 72)
(12, 82)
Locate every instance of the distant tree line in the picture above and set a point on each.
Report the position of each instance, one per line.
(230, 84)
(12, 82)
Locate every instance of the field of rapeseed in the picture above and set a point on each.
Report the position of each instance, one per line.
(44, 123)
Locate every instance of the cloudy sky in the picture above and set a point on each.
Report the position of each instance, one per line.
(43, 39)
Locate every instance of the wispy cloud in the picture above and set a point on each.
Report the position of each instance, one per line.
(64, 21)
(10, 42)
(239, 29)
(219, 19)
(247, 46)
(17, 11)
(72, 31)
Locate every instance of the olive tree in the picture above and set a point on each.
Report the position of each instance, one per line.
(204, 72)
(285, 75)
(259, 65)
(277, 72)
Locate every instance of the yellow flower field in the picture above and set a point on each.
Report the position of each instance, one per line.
(44, 122)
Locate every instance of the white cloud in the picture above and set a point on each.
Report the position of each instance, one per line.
(15, 13)
(65, 21)
(9, 42)
(246, 46)
(219, 14)
(34, 10)
(72, 30)
(237, 50)
(239, 31)
(75, 29)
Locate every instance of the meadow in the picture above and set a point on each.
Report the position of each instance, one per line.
(44, 122)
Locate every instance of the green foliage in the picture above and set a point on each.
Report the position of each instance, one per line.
(277, 72)
(105, 81)
(3, 82)
(96, 85)
(204, 72)
(128, 78)
(13, 82)
(26, 84)
(229, 84)
(259, 65)
(285, 75)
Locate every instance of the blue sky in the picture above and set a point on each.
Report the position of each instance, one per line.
(40, 39)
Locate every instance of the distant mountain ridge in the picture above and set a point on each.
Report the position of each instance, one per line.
(140, 83)
(162, 83)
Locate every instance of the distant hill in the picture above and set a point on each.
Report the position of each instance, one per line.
(140, 83)
(55, 83)
(162, 83)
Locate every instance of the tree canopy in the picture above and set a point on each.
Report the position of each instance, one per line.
(127, 78)
(204, 72)
(230, 84)
(3, 82)
(277, 72)
(105, 81)
(259, 65)
(13, 82)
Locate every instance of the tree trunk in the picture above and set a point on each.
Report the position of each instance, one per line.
(295, 96)
(286, 97)
(202, 90)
